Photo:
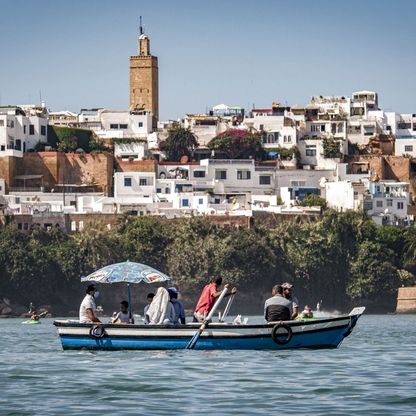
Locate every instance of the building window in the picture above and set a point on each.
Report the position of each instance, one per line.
(31, 129)
(43, 130)
(73, 225)
(127, 182)
(185, 202)
(24, 129)
(265, 180)
(408, 148)
(113, 126)
(322, 127)
(1, 123)
(167, 190)
(142, 181)
(379, 204)
(140, 124)
(400, 205)
(389, 202)
(310, 150)
(17, 200)
(199, 174)
(158, 190)
(200, 201)
(243, 174)
(123, 126)
(220, 174)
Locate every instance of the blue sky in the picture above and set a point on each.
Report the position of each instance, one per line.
(235, 52)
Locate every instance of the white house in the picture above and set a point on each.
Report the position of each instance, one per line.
(136, 149)
(387, 201)
(345, 195)
(20, 132)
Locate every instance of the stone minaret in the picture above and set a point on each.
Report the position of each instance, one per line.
(144, 79)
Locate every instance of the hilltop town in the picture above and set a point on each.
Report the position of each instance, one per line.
(61, 169)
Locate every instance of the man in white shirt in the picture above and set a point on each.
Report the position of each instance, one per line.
(87, 310)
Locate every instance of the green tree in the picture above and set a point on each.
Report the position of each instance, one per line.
(238, 144)
(180, 142)
(331, 148)
(144, 240)
(313, 200)
(373, 274)
(97, 245)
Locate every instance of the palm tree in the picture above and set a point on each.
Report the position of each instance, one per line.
(180, 142)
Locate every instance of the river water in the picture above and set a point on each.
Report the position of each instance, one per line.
(372, 373)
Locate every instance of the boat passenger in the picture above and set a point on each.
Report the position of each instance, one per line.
(149, 299)
(124, 316)
(87, 309)
(177, 306)
(277, 308)
(288, 294)
(306, 313)
(161, 311)
(207, 299)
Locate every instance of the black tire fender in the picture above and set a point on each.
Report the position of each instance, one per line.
(277, 338)
(97, 331)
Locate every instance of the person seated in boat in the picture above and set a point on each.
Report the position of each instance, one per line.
(288, 294)
(87, 309)
(149, 299)
(161, 311)
(277, 308)
(208, 297)
(123, 316)
(177, 306)
(306, 313)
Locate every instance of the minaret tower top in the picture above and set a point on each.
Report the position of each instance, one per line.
(144, 42)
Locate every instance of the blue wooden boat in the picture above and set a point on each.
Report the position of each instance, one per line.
(318, 333)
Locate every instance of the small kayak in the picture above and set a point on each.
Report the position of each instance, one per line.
(31, 321)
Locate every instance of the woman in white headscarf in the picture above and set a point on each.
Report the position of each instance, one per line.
(161, 311)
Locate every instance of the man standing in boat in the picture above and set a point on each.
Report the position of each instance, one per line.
(87, 310)
(207, 299)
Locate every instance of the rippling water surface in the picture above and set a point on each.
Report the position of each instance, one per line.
(372, 373)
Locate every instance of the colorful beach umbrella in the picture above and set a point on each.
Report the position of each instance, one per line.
(127, 272)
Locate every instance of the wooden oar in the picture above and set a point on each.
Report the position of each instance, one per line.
(227, 308)
(194, 339)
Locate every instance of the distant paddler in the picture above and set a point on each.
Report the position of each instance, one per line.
(208, 296)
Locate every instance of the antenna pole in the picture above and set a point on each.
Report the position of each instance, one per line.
(141, 27)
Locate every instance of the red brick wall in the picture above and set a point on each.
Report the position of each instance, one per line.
(69, 168)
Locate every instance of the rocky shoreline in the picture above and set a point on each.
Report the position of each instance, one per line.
(12, 310)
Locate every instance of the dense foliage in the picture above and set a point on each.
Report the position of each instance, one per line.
(238, 144)
(69, 139)
(341, 259)
(331, 148)
(180, 142)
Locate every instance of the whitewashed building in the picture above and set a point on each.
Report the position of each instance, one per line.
(20, 132)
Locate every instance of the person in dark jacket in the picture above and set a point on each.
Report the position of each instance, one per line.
(277, 308)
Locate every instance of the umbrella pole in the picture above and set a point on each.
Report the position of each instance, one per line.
(129, 299)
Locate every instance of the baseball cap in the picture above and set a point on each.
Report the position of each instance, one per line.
(173, 290)
(287, 285)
